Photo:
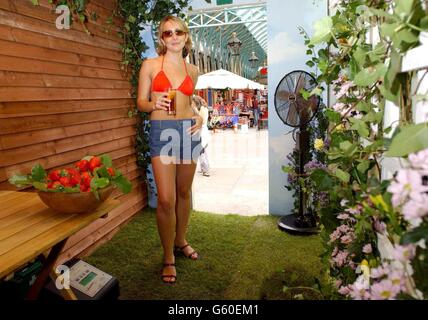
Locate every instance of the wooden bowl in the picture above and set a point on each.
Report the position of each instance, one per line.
(74, 202)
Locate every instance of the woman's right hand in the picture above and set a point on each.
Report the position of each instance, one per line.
(162, 102)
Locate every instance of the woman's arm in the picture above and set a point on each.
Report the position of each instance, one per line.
(144, 82)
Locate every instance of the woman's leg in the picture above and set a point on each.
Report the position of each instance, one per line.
(184, 179)
(165, 175)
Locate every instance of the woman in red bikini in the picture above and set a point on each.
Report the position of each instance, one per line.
(174, 138)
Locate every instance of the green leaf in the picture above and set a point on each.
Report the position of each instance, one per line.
(40, 186)
(305, 94)
(123, 184)
(424, 23)
(360, 56)
(363, 106)
(412, 138)
(416, 234)
(106, 160)
(20, 180)
(132, 19)
(342, 175)
(287, 169)
(98, 183)
(360, 126)
(370, 75)
(363, 166)
(322, 30)
(322, 179)
(72, 189)
(35, 2)
(379, 202)
(403, 7)
(333, 116)
(310, 63)
(345, 145)
(388, 29)
(38, 173)
(102, 172)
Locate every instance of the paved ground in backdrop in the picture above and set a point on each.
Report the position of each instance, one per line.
(239, 180)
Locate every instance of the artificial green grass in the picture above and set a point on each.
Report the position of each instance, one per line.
(241, 258)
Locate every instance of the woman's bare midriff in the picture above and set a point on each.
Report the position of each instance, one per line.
(184, 110)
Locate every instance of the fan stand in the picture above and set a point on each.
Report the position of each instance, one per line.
(303, 222)
(287, 94)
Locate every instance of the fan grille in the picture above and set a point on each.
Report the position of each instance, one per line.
(290, 105)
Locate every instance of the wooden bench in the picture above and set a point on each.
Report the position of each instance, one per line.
(29, 229)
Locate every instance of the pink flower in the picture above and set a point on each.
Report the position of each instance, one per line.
(347, 238)
(344, 89)
(333, 4)
(419, 160)
(340, 107)
(407, 183)
(343, 202)
(344, 290)
(343, 216)
(338, 283)
(416, 209)
(367, 248)
(355, 209)
(404, 253)
(378, 272)
(384, 290)
(359, 289)
(340, 259)
(335, 235)
(397, 278)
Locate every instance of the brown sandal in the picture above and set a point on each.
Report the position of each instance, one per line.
(181, 250)
(163, 276)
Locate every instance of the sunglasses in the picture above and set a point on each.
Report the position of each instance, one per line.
(170, 33)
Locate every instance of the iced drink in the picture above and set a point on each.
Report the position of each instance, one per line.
(172, 106)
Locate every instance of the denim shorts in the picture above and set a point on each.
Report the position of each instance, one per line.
(170, 138)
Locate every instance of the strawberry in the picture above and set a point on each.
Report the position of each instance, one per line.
(94, 163)
(56, 185)
(83, 165)
(72, 171)
(83, 188)
(85, 179)
(111, 171)
(75, 179)
(54, 175)
(65, 181)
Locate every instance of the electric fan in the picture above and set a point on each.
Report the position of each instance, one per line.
(296, 111)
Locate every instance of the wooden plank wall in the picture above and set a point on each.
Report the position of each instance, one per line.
(63, 96)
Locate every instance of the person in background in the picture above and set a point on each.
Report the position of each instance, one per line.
(256, 112)
(202, 106)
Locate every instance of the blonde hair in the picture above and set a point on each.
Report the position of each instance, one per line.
(161, 49)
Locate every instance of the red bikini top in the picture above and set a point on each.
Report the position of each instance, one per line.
(161, 82)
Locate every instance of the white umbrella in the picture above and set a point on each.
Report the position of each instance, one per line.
(222, 79)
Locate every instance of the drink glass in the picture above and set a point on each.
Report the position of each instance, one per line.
(172, 110)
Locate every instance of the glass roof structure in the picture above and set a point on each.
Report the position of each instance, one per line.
(212, 28)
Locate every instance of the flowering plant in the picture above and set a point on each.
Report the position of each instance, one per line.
(374, 229)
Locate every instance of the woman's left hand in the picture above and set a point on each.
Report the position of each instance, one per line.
(197, 126)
